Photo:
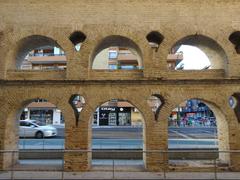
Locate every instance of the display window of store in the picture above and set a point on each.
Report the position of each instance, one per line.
(124, 119)
(42, 116)
(117, 113)
(114, 116)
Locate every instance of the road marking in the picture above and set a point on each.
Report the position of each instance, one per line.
(180, 134)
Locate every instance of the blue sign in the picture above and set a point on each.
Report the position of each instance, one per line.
(232, 102)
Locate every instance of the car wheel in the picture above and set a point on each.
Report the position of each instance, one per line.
(39, 135)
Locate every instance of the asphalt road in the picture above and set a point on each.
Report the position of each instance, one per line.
(136, 133)
(130, 138)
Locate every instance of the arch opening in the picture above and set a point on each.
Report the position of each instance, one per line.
(234, 102)
(77, 102)
(77, 38)
(196, 52)
(37, 126)
(40, 53)
(117, 125)
(193, 126)
(155, 101)
(154, 39)
(234, 38)
(117, 52)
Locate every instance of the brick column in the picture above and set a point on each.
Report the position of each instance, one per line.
(8, 136)
(76, 138)
(234, 136)
(156, 140)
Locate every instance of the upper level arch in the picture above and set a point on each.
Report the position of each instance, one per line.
(39, 52)
(116, 52)
(206, 46)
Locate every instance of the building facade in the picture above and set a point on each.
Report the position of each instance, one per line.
(192, 113)
(43, 113)
(117, 113)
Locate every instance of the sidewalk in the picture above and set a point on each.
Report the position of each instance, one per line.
(116, 175)
(102, 169)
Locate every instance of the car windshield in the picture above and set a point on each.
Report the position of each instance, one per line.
(28, 124)
(34, 124)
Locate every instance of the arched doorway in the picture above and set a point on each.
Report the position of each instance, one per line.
(118, 134)
(34, 129)
(196, 129)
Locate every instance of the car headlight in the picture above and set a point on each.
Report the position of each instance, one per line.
(48, 131)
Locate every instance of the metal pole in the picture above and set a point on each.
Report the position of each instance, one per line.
(113, 169)
(12, 164)
(24, 138)
(63, 167)
(43, 141)
(215, 169)
(164, 165)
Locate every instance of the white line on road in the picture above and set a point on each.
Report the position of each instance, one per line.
(181, 134)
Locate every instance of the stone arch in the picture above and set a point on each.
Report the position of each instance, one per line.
(10, 127)
(120, 41)
(216, 54)
(29, 43)
(222, 125)
(129, 101)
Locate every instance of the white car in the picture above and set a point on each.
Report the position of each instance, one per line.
(30, 129)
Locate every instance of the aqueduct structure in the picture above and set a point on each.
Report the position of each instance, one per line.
(213, 26)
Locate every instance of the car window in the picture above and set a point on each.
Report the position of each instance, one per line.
(23, 123)
(28, 124)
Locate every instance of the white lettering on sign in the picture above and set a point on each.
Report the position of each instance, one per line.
(108, 109)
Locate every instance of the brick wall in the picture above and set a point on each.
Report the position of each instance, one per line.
(57, 19)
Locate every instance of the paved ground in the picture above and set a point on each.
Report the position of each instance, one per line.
(103, 169)
(24, 175)
(130, 138)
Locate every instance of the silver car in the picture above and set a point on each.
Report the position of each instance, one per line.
(30, 129)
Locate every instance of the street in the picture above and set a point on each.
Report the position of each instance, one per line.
(136, 133)
(130, 138)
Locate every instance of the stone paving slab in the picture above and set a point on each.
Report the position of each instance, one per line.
(53, 175)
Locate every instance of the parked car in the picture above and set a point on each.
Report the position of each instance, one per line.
(29, 129)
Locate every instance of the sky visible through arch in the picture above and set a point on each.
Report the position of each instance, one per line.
(193, 58)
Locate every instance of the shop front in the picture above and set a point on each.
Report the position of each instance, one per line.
(114, 116)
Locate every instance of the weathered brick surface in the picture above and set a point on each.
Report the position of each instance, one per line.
(175, 20)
